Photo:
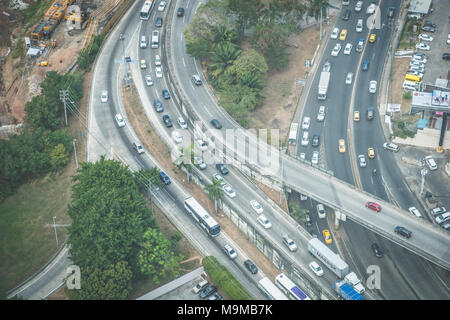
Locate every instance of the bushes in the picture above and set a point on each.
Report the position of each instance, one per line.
(87, 56)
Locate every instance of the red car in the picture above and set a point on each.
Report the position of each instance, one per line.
(373, 206)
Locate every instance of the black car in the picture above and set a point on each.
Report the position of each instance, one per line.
(391, 11)
(209, 290)
(215, 296)
(222, 168)
(216, 123)
(428, 28)
(446, 56)
(370, 113)
(308, 221)
(158, 106)
(167, 120)
(250, 266)
(430, 23)
(403, 231)
(315, 140)
(376, 249)
(347, 14)
(166, 94)
(180, 12)
(158, 22)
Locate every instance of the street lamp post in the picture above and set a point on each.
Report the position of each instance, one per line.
(54, 227)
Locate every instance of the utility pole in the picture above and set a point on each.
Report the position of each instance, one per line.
(75, 148)
(320, 32)
(54, 227)
(63, 96)
(423, 173)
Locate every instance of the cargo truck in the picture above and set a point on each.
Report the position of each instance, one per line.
(323, 85)
(346, 291)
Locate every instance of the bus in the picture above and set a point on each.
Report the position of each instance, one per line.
(270, 290)
(289, 288)
(293, 134)
(202, 216)
(147, 9)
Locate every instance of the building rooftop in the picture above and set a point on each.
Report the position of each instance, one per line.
(419, 6)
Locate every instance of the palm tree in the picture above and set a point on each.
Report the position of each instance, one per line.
(272, 13)
(315, 6)
(215, 191)
(251, 81)
(224, 55)
(224, 34)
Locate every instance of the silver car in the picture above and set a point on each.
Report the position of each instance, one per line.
(289, 243)
(362, 161)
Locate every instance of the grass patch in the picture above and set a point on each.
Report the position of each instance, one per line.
(35, 11)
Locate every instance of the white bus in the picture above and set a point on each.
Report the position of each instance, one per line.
(271, 290)
(293, 134)
(289, 288)
(147, 9)
(202, 216)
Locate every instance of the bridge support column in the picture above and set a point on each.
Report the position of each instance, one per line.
(336, 221)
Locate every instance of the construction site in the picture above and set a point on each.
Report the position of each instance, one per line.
(52, 44)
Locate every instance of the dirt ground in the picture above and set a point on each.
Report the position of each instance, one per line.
(399, 68)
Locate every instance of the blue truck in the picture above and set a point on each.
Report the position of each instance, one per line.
(346, 291)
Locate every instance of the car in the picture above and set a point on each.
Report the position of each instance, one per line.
(373, 205)
(228, 190)
(215, 296)
(425, 37)
(218, 177)
(372, 38)
(143, 64)
(222, 168)
(250, 266)
(348, 49)
(437, 211)
(359, 25)
(166, 94)
(346, 15)
(362, 161)
(104, 96)
(167, 121)
(360, 45)
(256, 206)
(391, 12)
(334, 33)
(403, 231)
(326, 66)
(138, 147)
(446, 226)
(315, 157)
(162, 6)
(182, 123)
(414, 63)
(315, 140)
(358, 6)
(428, 28)
(370, 113)
(415, 73)
(164, 178)
(430, 23)
(303, 155)
(158, 22)
(446, 56)
(229, 251)
(365, 65)
(198, 162)
(442, 218)
(314, 266)
(371, 153)
(180, 12)
(349, 78)
(419, 59)
(343, 35)
(148, 80)
(422, 46)
(306, 122)
(289, 243)
(376, 250)
(420, 54)
(321, 113)
(158, 72)
(120, 121)
(303, 197)
(321, 212)
(429, 161)
(177, 137)
(327, 236)
(448, 38)
(417, 68)
(372, 86)
(308, 221)
(414, 211)
(201, 144)
(305, 138)
(356, 115)
(199, 286)
(336, 50)
(207, 291)
(158, 106)
(262, 219)
(345, 2)
(157, 60)
(341, 145)
(390, 146)
(371, 8)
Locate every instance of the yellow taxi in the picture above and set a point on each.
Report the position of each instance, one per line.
(327, 236)
(343, 34)
(356, 115)
(371, 153)
(372, 37)
(341, 145)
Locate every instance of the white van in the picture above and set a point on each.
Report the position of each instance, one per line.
(143, 43)
(430, 162)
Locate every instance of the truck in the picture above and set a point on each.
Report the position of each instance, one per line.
(346, 291)
(332, 260)
(353, 280)
(323, 85)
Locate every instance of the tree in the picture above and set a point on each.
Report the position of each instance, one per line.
(148, 178)
(223, 33)
(42, 112)
(215, 191)
(223, 57)
(316, 6)
(250, 62)
(59, 157)
(247, 13)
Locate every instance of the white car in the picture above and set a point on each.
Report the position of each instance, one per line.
(104, 96)
(120, 121)
(256, 206)
(182, 123)
(176, 136)
(371, 8)
(321, 113)
(348, 48)
(305, 123)
(200, 163)
(372, 86)
(229, 251)
(362, 161)
(390, 146)
(336, 49)
(359, 25)
(201, 144)
(335, 33)
(314, 266)
(158, 72)
(419, 59)
(414, 211)
(229, 191)
(349, 78)
(264, 221)
(148, 80)
(162, 6)
(157, 60)
(416, 64)
(448, 38)
(358, 6)
(425, 37)
(305, 138)
(303, 155)
(321, 211)
(289, 243)
(422, 46)
(315, 157)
